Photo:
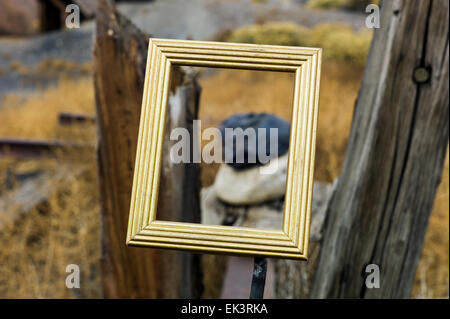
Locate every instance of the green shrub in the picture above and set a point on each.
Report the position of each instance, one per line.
(338, 40)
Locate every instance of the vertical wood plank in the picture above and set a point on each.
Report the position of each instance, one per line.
(129, 272)
(379, 211)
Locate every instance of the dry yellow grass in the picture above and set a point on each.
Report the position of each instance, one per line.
(51, 67)
(65, 229)
(432, 273)
(60, 231)
(36, 116)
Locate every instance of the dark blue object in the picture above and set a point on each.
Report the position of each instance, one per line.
(255, 121)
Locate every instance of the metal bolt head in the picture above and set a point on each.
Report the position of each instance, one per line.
(421, 75)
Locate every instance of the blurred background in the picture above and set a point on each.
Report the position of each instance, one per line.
(49, 201)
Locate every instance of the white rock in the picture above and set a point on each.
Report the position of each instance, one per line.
(251, 186)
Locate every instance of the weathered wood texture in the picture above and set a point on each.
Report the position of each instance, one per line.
(379, 211)
(129, 272)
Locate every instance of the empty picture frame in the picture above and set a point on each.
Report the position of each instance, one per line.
(290, 242)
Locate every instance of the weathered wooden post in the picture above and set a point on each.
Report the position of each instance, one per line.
(379, 211)
(129, 272)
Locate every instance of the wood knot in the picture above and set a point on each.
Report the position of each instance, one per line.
(422, 74)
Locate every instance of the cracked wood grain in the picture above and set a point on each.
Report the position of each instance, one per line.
(380, 208)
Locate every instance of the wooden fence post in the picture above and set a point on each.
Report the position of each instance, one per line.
(379, 211)
(129, 272)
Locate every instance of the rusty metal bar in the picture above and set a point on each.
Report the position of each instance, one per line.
(67, 118)
(238, 279)
(25, 148)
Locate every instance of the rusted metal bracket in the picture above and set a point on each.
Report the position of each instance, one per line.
(66, 118)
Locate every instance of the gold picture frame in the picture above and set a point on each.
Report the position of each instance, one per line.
(290, 242)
